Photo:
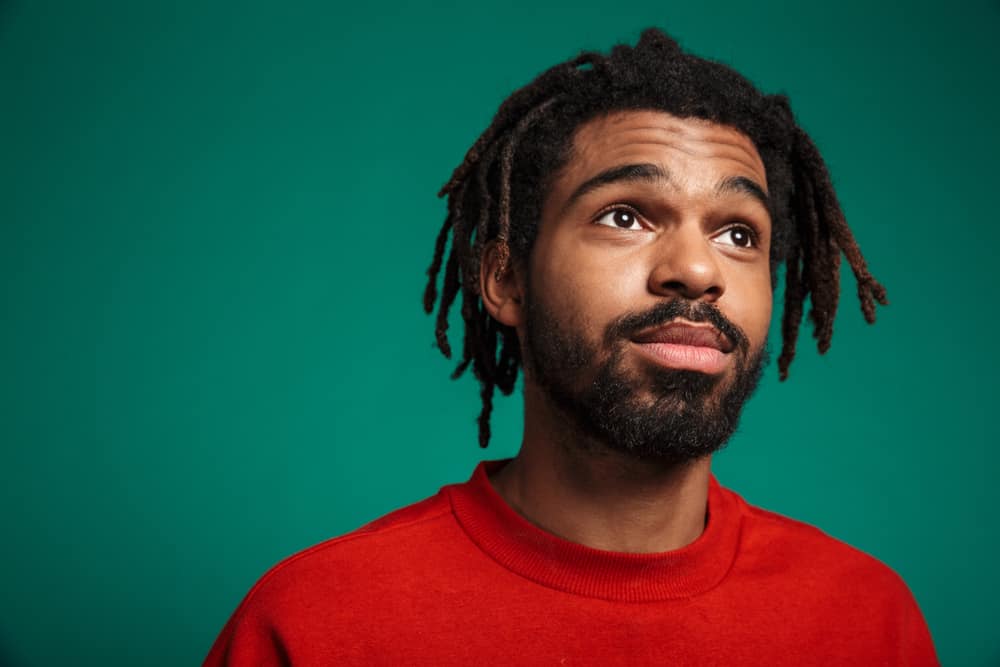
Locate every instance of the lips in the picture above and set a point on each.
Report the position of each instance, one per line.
(686, 346)
(689, 334)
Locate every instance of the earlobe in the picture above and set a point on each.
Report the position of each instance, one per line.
(500, 286)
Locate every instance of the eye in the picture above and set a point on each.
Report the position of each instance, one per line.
(620, 218)
(740, 236)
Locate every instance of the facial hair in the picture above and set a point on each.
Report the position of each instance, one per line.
(664, 414)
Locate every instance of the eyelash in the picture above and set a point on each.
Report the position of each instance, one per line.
(618, 207)
(754, 236)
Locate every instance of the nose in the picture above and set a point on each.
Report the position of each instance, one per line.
(686, 265)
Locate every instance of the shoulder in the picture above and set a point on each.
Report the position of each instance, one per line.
(296, 601)
(804, 555)
(337, 572)
(335, 564)
(815, 585)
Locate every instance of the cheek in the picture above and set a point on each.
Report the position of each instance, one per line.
(594, 287)
(748, 304)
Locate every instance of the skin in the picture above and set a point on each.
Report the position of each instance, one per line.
(587, 270)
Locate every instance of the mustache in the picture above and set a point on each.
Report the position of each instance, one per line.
(626, 326)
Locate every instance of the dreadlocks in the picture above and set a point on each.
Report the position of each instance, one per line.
(495, 194)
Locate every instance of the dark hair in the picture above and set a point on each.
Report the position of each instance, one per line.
(496, 193)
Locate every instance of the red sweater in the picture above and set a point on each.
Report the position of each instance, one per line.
(461, 579)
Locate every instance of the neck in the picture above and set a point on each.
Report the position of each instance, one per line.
(585, 492)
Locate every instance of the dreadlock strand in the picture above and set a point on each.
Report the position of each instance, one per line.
(503, 234)
(486, 208)
(825, 292)
(791, 317)
(447, 298)
(473, 327)
(820, 256)
(869, 289)
(451, 278)
(486, 393)
(506, 165)
(462, 238)
(430, 292)
(461, 368)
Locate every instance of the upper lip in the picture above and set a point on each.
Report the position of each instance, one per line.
(681, 332)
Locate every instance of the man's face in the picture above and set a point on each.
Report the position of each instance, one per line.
(648, 293)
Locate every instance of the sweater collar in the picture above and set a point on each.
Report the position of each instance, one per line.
(535, 554)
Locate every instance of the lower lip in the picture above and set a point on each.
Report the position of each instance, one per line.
(686, 357)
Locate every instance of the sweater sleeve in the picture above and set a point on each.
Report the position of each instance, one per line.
(916, 646)
(248, 638)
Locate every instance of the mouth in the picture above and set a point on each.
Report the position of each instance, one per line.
(683, 345)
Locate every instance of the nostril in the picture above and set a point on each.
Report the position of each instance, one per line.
(691, 291)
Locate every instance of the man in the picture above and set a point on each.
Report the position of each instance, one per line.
(616, 232)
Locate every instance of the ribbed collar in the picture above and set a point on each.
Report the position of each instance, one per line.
(574, 568)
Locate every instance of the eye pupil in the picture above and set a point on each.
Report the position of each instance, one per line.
(740, 237)
(623, 219)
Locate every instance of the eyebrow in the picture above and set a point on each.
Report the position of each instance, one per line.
(743, 185)
(626, 173)
(651, 173)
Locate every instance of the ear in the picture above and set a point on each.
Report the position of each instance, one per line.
(500, 285)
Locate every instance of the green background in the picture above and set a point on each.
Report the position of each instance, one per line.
(216, 220)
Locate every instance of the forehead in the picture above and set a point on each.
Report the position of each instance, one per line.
(681, 145)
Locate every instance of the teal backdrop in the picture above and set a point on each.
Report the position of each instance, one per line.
(215, 222)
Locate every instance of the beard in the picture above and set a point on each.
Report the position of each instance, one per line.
(668, 415)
